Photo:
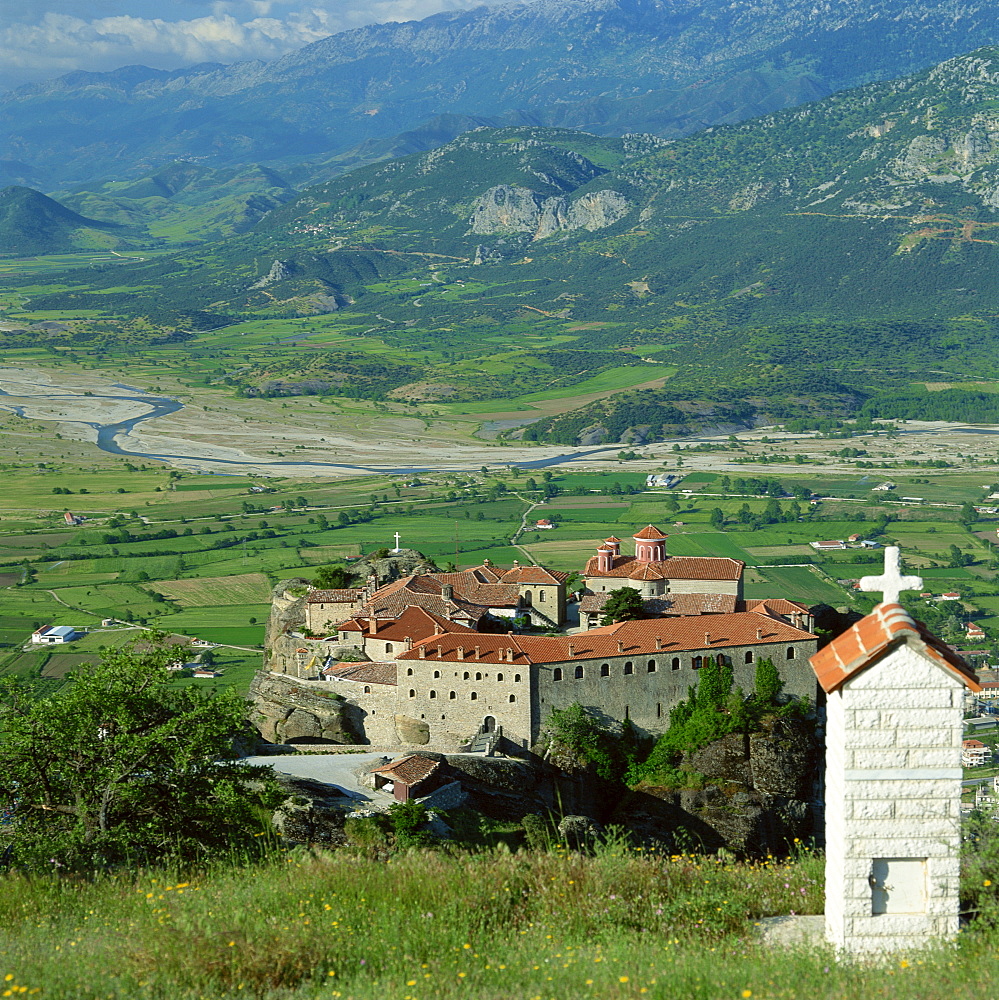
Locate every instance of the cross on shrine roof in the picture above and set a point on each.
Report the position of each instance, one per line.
(891, 582)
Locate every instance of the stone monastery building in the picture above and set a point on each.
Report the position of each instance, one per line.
(434, 674)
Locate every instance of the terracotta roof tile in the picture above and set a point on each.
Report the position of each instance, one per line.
(670, 568)
(409, 770)
(649, 532)
(864, 643)
(365, 673)
(777, 605)
(638, 638)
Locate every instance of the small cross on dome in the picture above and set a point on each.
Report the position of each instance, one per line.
(891, 582)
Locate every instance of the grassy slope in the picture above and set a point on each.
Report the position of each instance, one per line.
(490, 926)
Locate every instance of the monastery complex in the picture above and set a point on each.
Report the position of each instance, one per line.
(432, 659)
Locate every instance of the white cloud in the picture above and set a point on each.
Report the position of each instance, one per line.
(59, 40)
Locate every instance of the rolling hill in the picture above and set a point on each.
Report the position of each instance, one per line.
(31, 223)
(802, 264)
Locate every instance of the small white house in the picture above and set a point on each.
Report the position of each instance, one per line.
(53, 634)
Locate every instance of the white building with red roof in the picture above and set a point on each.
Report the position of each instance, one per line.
(656, 574)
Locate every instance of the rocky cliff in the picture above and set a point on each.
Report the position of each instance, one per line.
(286, 711)
(506, 209)
(757, 795)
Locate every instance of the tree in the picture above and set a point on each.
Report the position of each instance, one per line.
(331, 578)
(125, 766)
(968, 514)
(623, 604)
(767, 682)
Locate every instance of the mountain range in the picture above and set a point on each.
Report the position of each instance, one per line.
(606, 66)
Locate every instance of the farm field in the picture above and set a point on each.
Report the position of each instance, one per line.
(197, 554)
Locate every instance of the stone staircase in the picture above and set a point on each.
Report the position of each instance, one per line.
(484, 742)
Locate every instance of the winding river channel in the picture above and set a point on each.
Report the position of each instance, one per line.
(162, 406)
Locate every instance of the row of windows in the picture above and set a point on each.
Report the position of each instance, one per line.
(696, 663)
(453, 696)
(466, 676)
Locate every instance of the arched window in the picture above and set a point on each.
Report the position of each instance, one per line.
(516, 678)
(557, 674)
(605, 670)
(527, 598)
(367, 689)
(499, 677)
(749, 656)
(452, 696)
(437, 674)
(790, 652)
(478, 676)
(697, 662)
(651, 666)
(464, 676)
(541, 596)
(579, 672)
(674, 664)
(629, 667)
(412, 693)
(473, 697)
(513, 698)
(433, 694)
(388, 647)
(409, 671)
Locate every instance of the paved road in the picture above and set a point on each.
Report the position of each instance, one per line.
(331, 769)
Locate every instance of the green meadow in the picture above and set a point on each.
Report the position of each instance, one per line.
(198, 555)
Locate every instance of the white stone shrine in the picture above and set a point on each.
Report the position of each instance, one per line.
(894, 696)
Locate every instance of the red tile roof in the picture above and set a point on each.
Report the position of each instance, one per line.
(866, 642)
(649, 532)
(415, 623)
(776, 606)
(637, 638)
(364, 673)
(409, 770)
(670, 568)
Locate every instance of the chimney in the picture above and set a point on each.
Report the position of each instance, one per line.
(447, 591)
(478, 652)
(572, 650)
(707, 638)
(620, 646)
(516, 563)
(408, 640)
(423, 652)
(437, 629)
(440, 652)
(509, 655)
(461, 652)
(372, 624)
(759, 633)
(659, 643)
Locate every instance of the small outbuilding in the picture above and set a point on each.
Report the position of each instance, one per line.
(408, 777)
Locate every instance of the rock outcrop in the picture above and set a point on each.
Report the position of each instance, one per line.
(506, 209)
(756, 797)
(286, 711)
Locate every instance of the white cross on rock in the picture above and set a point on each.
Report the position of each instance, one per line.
(891, 582)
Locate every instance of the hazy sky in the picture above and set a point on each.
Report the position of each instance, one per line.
(40, 39)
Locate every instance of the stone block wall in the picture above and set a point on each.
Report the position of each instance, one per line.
(631, 689)
(454, 698)
(893, 784)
